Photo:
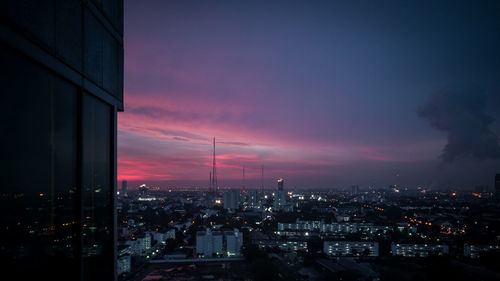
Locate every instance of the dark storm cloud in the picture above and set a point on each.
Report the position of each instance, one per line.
(461, 113)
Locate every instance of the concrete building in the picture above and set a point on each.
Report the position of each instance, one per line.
(209, 243)
(123, 264)
(233, 242)
(320, 226)
(142, 245)
(279, 200)
(351, 248)
(62, 86)
(231, 199)
(252, 199)
(280, 196)
(418, 250)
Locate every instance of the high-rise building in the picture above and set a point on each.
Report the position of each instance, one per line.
(61, 83)
(279, 196)
(231, 199)
(354, 190)
(280, 183)
(252, 200)
(124, 187)
(209, 243)
(233, 242)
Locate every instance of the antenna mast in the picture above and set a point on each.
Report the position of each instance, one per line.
(262, 179)
(243, 178)
(213, 181)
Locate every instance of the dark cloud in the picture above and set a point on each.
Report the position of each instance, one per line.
(461, 113)
(235, 143)
(181, 135)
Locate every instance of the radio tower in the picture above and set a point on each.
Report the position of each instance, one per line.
(262, 179)
(213, 179)
(243, 182)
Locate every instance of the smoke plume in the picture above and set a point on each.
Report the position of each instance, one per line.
(461, 113)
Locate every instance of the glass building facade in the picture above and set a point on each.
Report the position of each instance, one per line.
(61, 86)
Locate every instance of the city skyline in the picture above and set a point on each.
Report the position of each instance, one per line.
(258, 141)
(324, 94)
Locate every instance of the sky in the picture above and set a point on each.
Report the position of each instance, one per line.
(325, 94)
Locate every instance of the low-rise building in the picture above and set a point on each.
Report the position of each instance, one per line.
(418, 250)
(320, 226)
(351, 248)
(475, 251)
(123, 264)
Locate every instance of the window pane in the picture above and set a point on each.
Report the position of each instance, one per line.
(96, 190)
(38, 230)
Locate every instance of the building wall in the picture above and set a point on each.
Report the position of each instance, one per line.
(62, 86)
(234, 242)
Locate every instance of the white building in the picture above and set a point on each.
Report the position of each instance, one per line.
(234, 241)
(350, 248)
(123, 264)
(208, 243)
(418, 250)
(231, 199)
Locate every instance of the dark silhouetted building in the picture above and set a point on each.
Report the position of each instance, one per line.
(354, 190)
(281, 181)
(497, 186)
(124, 187)
(61, 86)
(280, 196)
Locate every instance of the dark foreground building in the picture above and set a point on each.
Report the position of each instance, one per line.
(61, 85)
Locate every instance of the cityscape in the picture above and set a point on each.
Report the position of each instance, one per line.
(263, 140)
(278, 233)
